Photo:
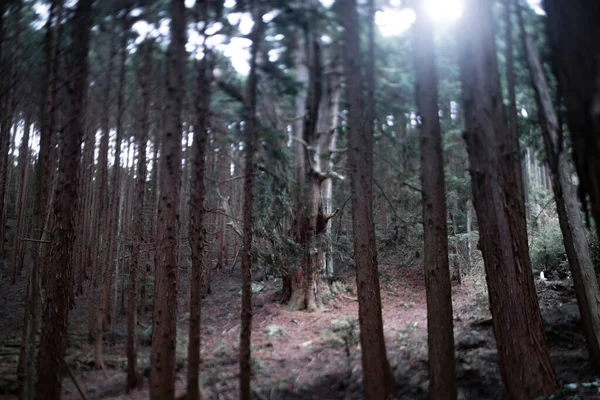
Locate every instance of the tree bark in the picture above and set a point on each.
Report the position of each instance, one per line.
(164, 321)
(21, 202)
(248, 219)
(377, 376)
(197, 231)
(578, 253)
(134, 380)
(95, 318)
(500, 211)
(573, 31)
(440, 334)
(55, 313)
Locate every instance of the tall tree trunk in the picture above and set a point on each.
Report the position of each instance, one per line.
(440, 334)
(55, 315)
(164, 321)
(95, 319)
(565, 195)
(43, 181)
(248, 219)
(21, 201)
(513, 299)
(151, 242)
(86, 211)
(377, 376)
(7, 118)
(196, 227)
(134, 379)
(573, 30)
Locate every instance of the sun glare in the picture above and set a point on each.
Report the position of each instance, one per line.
(444, 11)
(394, 19)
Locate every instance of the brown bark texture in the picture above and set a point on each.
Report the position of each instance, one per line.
(197, 232)
(573, 32)
(567, 205)
(513, 299)
(164, 320)
(55, 314)
(248, 215)
(377, 377)
(134, 379)
(440, 334)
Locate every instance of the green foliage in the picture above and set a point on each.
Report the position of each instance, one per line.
(547, 249)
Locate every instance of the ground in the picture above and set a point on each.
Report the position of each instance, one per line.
(299, 355)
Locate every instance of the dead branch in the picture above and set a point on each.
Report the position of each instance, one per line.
(81, 392)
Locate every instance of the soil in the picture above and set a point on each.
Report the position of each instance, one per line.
(299, 355)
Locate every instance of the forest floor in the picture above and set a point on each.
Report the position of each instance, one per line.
(299, 355)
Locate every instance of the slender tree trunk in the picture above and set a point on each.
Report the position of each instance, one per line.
(55, 314)
(196, 227)
(580, 261)
(7, 108)
(248, 219)
(134, 380)
(95, 319)
(164, 322)
(513, 299)
(43, 180)
(440, 334)
(21, 201)
(152, 233)
(377, 377)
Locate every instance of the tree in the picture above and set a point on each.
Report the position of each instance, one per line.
(55, 315)
(197, 232)
(164, 318)
(251, 143)
(513, 300)
(567, 206)
(133, 377)
(573, 29)
(377, 376)
(440, 334)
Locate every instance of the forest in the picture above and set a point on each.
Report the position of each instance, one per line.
(299, 199)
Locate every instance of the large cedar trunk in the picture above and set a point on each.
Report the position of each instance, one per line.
(440, 334)
(567, 206)
(574, 30)
(377, 377)
(164, 321)
(55, 313)
(513, 299)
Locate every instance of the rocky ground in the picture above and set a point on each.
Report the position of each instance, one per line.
(298, 355)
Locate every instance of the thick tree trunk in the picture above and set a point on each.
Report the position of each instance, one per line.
(196, 227)
(377, 376)
(440, 334)
(578, 253)
(573, 30)
(513, 299)
(55, 313)
(164, 321)
(248, 219)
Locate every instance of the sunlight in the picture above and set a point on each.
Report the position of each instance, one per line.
(444, 11)
(393, 22)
